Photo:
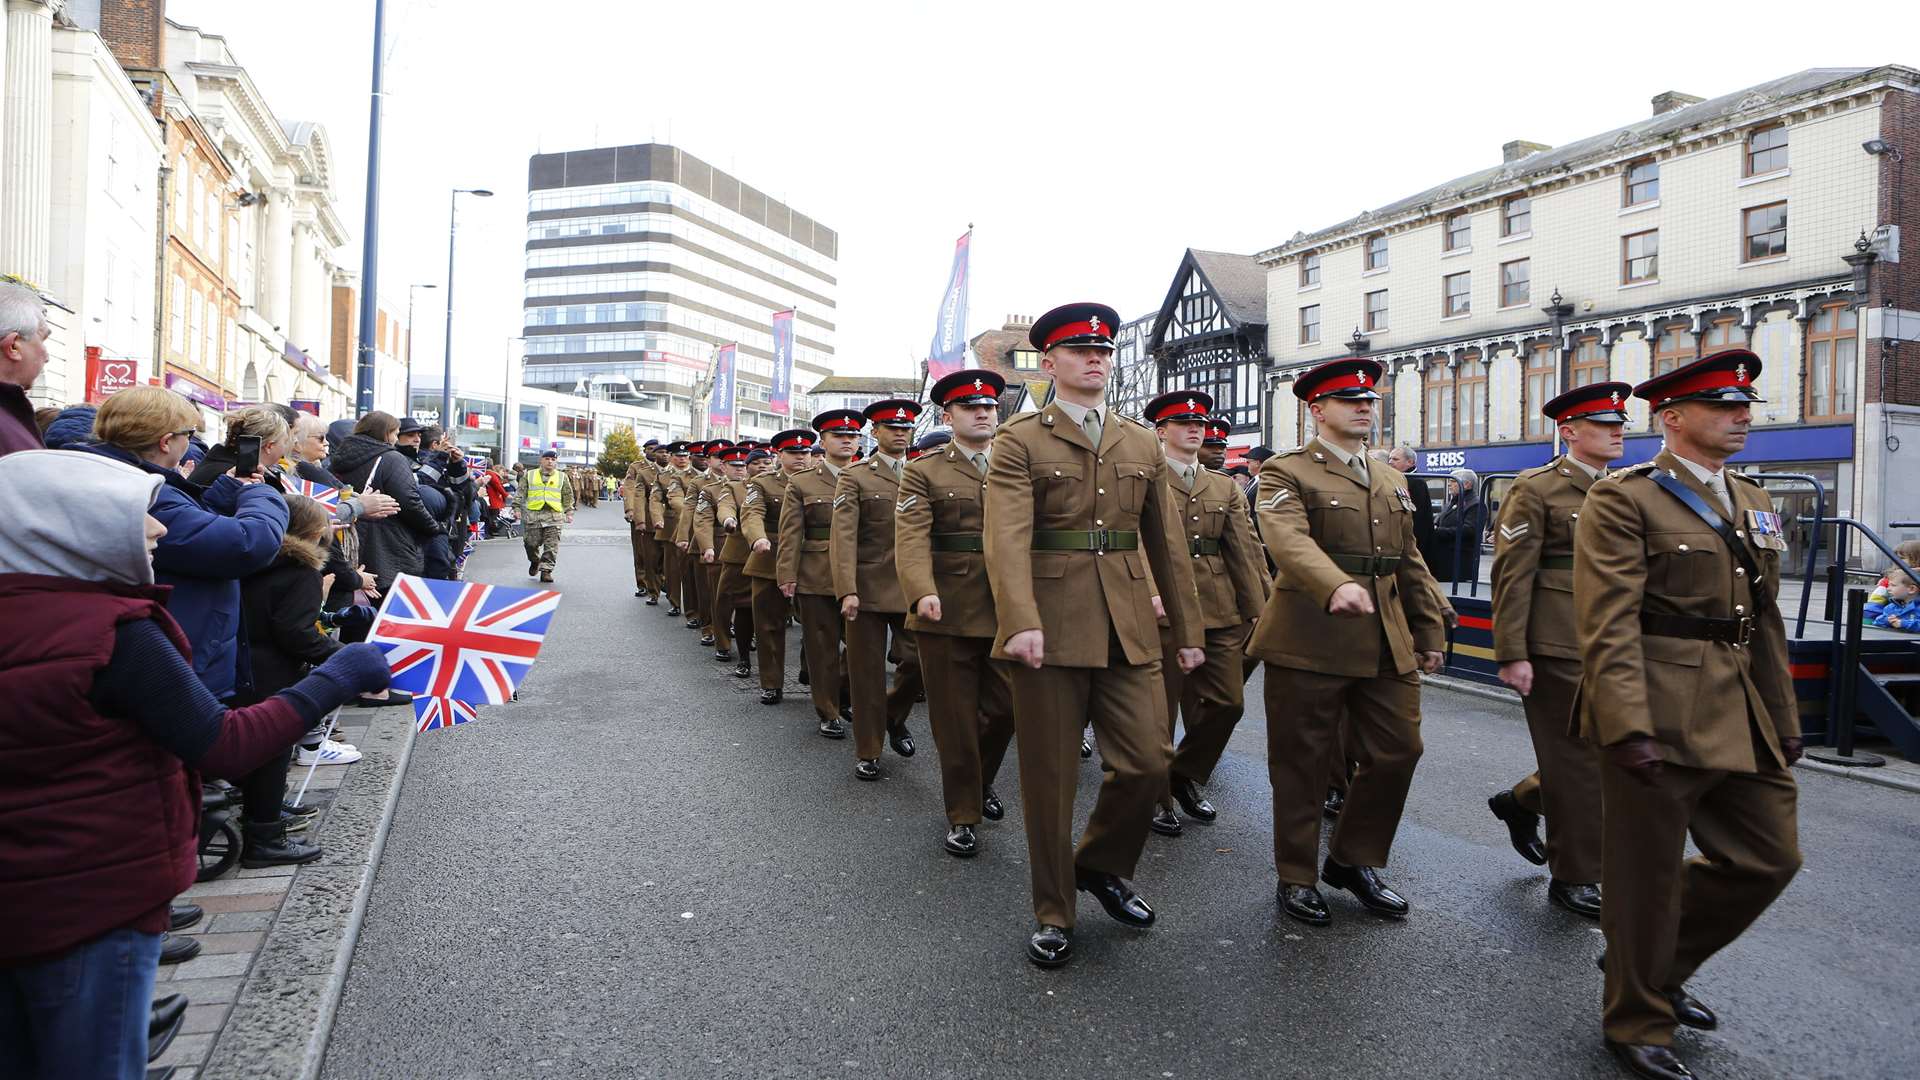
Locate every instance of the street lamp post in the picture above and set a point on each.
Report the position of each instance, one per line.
(446, 371)
(406, 406)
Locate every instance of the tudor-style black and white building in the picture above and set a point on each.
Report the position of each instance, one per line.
(1211, 335)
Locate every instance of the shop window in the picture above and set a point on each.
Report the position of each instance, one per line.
(1589, 361)
(1832, 350)
(1674, 347)
(1437, 404)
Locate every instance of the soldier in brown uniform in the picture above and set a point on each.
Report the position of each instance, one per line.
(1231, 582)
(732, 612)
(943, 574)
(695, 597)
(867, 582)
(1686, 690)
(636, 493)
(804, 567)
(760, 524)
(1351, 623)
(1080, 528)
(1538, 647)
(673, 503)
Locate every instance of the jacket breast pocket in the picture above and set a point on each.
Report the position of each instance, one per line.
(1337, 520)
(1213, 515)
(1684, 564)
(1132, 478)
(1056, 485)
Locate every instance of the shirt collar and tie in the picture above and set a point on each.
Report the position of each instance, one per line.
(1087, 416)
(1592, 473)
(1355, 461)
(892, 463)
(1714, 479)
(1188, 473)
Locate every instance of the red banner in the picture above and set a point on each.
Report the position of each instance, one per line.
(107, 376)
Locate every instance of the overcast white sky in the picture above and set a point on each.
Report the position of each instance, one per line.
(1089, 144)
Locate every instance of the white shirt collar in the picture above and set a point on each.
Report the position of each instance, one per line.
(1076, 413)
(1701, 472)
(1591, 472)
(832, 469)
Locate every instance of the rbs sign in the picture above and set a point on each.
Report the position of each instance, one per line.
(1442, 460)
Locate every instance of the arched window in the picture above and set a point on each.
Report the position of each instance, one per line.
(250, 383)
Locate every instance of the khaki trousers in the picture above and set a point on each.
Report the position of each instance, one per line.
(1304, 713)
(1566, 788)
(1051, 706)
(709, 584)
(876, 709)
(770, 632)
(1210, 700)
(970, 708)
(820, 636)
(1665, 914)
(672, 575)
(643, 556)
(732, 591)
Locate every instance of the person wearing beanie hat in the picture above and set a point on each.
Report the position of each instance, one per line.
(72, 427)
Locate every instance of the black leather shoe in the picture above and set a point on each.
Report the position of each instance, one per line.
(652, 601)
(707, 640)
(1050, 946)
(1687, 1009)
(961, 842)
(164, 1021)
(1116, 896)
(805, 679)
(175, 949)
(1086, 749)
(901, 740)
(771, 697)
(1577, 897)
(1365, 884)
(693, 623)
(533, 569)
(1652, 1062)
(673, 612)
(1334, 803)
(846, 714)
(185, 915)
(990, 807)
(866, 770)
(1166, 822)
(1304, 902)
(1195, 805)
(1523, 827)
(834, 728)
(638, 593)
(723, 656)
(743, 670)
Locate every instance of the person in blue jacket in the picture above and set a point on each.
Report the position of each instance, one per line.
(215, 535)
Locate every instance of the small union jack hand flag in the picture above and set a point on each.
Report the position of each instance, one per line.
(466, 641)
(430, 713)
(328, 497)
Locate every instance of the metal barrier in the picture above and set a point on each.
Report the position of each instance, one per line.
(1813, 549)
(1847, 615)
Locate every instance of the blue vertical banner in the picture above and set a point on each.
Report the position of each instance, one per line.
(948, 352)
(720, 401)
(780, 397)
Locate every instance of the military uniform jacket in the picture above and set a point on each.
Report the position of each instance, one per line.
(673, 498)
(1229, 568)
(1312, 506)
(1533, 563)
(1640, 549)
(862, 545)
(732, 497)
(760, 520)
(1045, 475)
(698, 486)
(808, 508)
(942, 494)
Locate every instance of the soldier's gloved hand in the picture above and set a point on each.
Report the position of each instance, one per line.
(1350, 601)
(1639, 755)
(1793, 747)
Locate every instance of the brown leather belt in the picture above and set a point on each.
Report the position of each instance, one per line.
(1366, 565)
(1730, 631)
(1201, 545)
(958, 542)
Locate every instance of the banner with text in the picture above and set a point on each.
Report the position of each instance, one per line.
(948, 353)
(780, 398)
(720, 401)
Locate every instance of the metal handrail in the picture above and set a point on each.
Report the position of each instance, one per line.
(1813, 549)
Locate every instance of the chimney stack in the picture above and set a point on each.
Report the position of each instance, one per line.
(1673, 99)
(1520, 148)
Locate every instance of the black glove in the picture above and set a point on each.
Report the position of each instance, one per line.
(356, 669)
(1793, 747)
(1638, 755)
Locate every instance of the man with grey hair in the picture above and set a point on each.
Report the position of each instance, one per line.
(23, 353)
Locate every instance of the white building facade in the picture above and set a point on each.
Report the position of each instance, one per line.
(1711, 225)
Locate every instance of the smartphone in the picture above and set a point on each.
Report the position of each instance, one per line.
(247, 448)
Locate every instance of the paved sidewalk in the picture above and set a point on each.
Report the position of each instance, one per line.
(258, 993)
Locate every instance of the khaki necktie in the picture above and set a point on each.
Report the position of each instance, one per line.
(1090, 423)
(979, 461)
(1717, 483)
(1189, 474)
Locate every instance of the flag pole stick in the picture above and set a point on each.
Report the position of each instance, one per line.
(324, 736)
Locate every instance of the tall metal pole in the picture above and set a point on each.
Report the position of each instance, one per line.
(370, 248)
(446, 369)
(406, 407)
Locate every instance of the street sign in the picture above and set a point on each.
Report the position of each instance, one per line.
(107, 376)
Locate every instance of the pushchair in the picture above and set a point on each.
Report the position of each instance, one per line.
(507, 522)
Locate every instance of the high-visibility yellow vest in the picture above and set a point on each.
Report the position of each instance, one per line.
(543, 490)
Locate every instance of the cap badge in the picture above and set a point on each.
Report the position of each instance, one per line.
(1193, 404)
(1740, 373)
(1093, 323)
(1362, 376)
(1614, 397)
(976, 386)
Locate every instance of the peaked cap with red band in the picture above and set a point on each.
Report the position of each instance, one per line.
(678, 446)
(848, 420)
(1349, 377)
(1178, 405)
(1601, 402)
(715, 447)
(1075, 324)
(1725, 378)
(792, 439)
(737, 452)
(894, 412)
(974, 386)
(1218, 428)
(697, 449)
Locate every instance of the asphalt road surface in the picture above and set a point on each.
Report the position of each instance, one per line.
(638, 870)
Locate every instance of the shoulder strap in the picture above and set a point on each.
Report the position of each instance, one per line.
(1714, 521)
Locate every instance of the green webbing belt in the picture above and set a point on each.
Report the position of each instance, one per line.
(1203, 546)
(1085, 540)
(958, 542)
(1366, 565)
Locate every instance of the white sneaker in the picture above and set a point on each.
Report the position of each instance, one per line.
(329, 753)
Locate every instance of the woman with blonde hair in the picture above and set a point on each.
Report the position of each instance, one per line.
(216, 534)
(260, 422)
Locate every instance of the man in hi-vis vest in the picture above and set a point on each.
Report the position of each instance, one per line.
(546, 503)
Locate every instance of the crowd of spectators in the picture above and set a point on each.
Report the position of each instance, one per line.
(164, 599)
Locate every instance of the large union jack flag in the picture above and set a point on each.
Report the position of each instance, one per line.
(466, 641)
(439, 712)
(328, 497)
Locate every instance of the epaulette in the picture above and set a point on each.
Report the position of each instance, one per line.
(1021, 418)
(1744, 476)
(1290, 453)
(1634, 470)
(1538, 470)
(1130, 420)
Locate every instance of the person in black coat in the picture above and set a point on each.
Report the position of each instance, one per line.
(1454, 554)
(368, 461)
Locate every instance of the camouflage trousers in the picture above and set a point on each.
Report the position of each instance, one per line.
(543, 537)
